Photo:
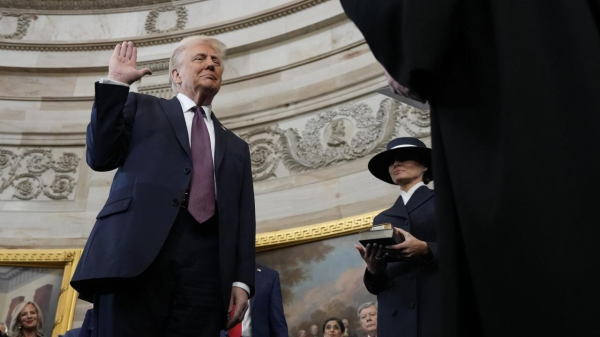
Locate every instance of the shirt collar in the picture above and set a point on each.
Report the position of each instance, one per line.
(187, 104)
(412, 189)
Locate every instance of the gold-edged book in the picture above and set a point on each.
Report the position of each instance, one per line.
(382, 234)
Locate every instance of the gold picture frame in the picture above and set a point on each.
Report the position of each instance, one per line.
(322, 231)
(65, 259)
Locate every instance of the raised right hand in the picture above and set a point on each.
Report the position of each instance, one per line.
(374, 255)
(122, 64)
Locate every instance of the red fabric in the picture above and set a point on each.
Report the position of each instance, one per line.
(236, 331)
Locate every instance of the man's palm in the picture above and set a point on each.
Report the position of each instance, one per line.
(122, 65)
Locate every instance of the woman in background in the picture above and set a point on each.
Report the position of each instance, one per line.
(405, 276)
(27, 321)
(333, 327)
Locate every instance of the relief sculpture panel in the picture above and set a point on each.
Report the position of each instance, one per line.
(336, 135)
(38, 173)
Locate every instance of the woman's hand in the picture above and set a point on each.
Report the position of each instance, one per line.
(410, 247)
(374, 255)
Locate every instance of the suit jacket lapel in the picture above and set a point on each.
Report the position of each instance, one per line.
(172, 109)
(421, 195)
(398, 210)
(220, 143)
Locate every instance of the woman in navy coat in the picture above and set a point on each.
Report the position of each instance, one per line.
(405, 276)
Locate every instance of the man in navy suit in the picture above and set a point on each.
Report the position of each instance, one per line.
(174, 244)
(266, 307)
(265, 317)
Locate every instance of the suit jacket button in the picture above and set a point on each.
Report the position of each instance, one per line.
(187, 170)
(175, 202)
(394, 312)
(411, 276)
(412, 305)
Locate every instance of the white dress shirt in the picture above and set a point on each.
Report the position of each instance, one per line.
(406, 195)
(247, 323)
(187, 106)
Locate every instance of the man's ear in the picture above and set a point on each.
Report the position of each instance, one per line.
(175, 76)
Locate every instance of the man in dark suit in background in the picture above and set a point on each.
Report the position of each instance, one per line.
(265, 316)
(513, 89)
(174, 243)
(266, 307)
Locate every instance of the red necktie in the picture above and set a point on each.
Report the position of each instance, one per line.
(236, 331)
(202, 189)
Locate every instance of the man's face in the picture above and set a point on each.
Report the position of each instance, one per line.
(199, 69)
(368, 320)
(314, 330)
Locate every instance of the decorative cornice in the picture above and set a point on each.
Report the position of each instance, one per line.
(166, 38)
(310, 233)
(85, 7)
(21, 256)
(180, 11)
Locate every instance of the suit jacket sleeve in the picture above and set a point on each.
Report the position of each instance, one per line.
(408, 37)
(277, 323)
(247, 230)
(110, 128)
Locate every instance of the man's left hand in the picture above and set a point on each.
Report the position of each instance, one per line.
(410, 247)
(239, 297)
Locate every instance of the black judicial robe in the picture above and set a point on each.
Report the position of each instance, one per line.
(514, 93)
(408, 293)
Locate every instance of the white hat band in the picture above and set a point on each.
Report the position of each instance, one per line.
(403, 145)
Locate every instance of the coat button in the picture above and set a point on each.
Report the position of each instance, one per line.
(412, 305)
(187, 170)
(406, 223)
(394, 312)
(175, 202)
(411, 276)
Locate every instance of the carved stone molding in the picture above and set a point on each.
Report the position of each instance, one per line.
(37, 174)
(344, 133)
(159, 90)
(86, 6)
(310, 233)
(264, 153)
(180, 11)
(23, 22)
(237, 24)
(337, 135)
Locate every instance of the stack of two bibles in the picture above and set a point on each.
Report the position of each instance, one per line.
(384, 235)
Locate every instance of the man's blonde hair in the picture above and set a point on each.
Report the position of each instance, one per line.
(175, 60)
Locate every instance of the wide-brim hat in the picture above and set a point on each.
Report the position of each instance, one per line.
(403, 148)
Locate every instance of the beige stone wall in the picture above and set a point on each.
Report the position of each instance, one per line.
(299, 86)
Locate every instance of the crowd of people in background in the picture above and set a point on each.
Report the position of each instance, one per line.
(336, 327)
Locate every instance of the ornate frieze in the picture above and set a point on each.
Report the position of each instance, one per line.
(336, 135)
(38, 174)
(264, 151)
(340, 134)
(84, 6)
(153, 15)
(21, 25)
(145, 41)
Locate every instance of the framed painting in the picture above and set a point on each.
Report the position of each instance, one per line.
(41, 276)
(321, 272)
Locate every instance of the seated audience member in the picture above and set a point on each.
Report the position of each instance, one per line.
(367, 314)
(301, 333)
(27, 321)
(333, 327)
(348, 333)
(3, 330)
